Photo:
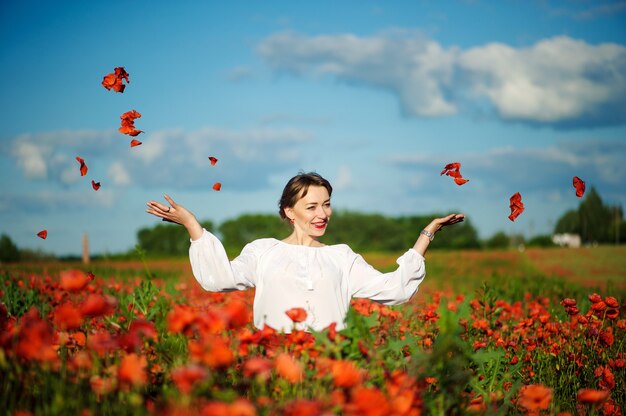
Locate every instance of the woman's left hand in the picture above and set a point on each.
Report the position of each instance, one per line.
(438, 223)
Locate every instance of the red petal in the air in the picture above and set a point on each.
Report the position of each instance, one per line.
(452, 170)
(517, 207)
(83, 167)
(217, 186)
(451, 166)
(213, 160)
(95, 185)
(134, 142)
(128, 123)
(114, 80)
(579, 184)
(42, 234)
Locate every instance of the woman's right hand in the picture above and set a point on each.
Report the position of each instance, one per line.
(177, 214)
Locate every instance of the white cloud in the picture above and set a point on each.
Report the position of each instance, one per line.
(240, 73)
(558, 81)
(175, 157)
(31, 159)
(555, 80)
(118, 174)
(343, 180)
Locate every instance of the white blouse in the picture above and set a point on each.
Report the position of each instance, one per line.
(322, 280)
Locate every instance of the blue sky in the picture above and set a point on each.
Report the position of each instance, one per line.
(376, 96)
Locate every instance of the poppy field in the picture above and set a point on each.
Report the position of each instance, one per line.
(488, 333)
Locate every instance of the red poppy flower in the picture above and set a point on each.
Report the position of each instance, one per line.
(611, 302)
(517, 207)
(67, 316)
(296, 314)
(114, 80)
(579, 184)
(95, 185)
(132, 370)
(98, 305)
(217, 186)
(212, 351)
(368, 402)
(179, 319)
(288, 368)
(143, 328)
(345, 373)
(36, 339)
(535, 397)
(128, 123)
(186, 377)
(594, 298)
(43, 234)
(592, 396)
(213, 160)
(303, 407)
(258, 367)
(75, 280)
(612, 313)
(83, 167)
(134, 143)
(568, 302)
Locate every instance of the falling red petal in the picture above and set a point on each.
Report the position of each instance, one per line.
(213, 160)
(134, 143)
(128, 123)
(517, 207)
(83, 167)
(43, 234)
(217, 186)
(114, 80)
(95, 185)
(579, 184)
(451, 166)
(460, 181)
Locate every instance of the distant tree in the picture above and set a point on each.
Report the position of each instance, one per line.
(166, 239)
(569, 223)
(8, 250)
(498, 240)
(238, 232)
(376, 232)
(371, 232)
(540, 241)
(593, 220)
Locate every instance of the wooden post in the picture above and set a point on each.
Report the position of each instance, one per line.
(85, 249)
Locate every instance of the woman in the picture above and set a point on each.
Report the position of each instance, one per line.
(300, 271)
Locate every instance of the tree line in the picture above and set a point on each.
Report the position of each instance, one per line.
(593, 220)
(362, 232)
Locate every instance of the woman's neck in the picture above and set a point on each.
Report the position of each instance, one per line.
(302, 240)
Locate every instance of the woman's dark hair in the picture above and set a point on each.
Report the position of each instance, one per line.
(297, 188)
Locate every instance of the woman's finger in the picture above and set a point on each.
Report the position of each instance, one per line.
(170, 200)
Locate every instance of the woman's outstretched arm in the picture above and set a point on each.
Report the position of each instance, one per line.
(178, 214)
(437, 224)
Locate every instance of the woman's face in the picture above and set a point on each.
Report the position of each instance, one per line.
(312, 212)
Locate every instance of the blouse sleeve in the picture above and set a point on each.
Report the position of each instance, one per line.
(215, 272)
(391, 288)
